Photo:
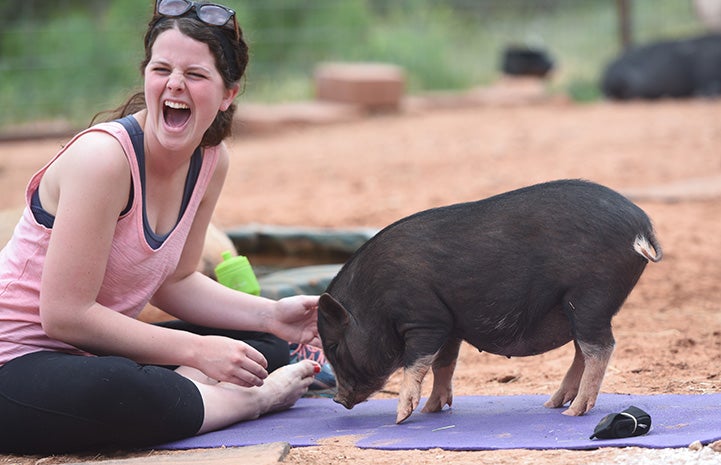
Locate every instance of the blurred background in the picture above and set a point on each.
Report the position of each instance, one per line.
(69, 59)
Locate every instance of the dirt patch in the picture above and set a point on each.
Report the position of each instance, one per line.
(373, 171)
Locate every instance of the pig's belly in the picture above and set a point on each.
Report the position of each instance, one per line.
(553, 331)
(524, 348)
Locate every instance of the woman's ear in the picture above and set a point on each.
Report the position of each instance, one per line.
(230, 95)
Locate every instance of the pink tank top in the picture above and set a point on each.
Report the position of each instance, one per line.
(134, 271)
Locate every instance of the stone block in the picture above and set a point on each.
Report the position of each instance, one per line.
(376, 87)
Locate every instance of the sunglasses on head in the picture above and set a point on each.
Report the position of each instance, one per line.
(209, 13)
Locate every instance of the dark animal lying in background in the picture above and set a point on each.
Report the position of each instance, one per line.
(517, 274)
(526, 61)
(680, 68)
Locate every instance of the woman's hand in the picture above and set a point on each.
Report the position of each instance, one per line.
(225, 359)
(296, 319)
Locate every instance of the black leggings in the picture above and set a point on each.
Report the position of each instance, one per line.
(52, 402)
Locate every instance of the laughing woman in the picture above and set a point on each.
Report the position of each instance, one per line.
(117, 220)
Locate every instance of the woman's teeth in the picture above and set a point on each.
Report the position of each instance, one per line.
(176, 105)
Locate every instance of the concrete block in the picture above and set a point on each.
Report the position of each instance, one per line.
(376, 87)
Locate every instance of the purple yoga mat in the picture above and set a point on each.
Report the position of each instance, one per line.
(475, 423)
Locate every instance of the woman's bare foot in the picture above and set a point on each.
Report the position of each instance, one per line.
(227, 403)
(286, 385)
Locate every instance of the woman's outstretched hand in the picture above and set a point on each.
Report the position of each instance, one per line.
(296, 320)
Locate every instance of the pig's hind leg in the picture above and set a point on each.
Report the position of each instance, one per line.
(582, 382)
(594, 343)
(444, 365)
(568, 390)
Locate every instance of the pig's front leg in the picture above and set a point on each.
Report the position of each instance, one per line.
(444, 365)
(410, 394)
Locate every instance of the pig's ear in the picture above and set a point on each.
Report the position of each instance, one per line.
(333, 311)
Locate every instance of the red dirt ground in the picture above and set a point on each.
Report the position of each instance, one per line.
(372, 171)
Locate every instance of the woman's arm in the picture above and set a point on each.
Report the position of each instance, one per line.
(86, 189)
(194, 297)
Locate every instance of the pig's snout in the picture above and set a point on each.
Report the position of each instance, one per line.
(349, 398)
(350, 395)
(344, 401)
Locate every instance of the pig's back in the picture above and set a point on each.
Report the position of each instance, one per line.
(559, 212)
(512, 254)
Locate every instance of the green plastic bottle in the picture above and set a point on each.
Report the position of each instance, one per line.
(236, 273)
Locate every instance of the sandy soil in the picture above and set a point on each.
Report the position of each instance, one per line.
(373, 171)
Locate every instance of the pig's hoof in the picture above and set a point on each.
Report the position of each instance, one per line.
(406, 405)
(431, 408)
(571, 412)
(550, 403)
(579, 408)
(401, 417)
(436, 404)
(561, 398)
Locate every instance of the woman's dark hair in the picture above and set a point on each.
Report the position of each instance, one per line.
(231, 59)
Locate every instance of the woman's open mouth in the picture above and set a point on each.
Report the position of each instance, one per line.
(176, 114)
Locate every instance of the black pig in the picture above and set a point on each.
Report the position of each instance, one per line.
(516, 274)
(525, 61)
(666, 69)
